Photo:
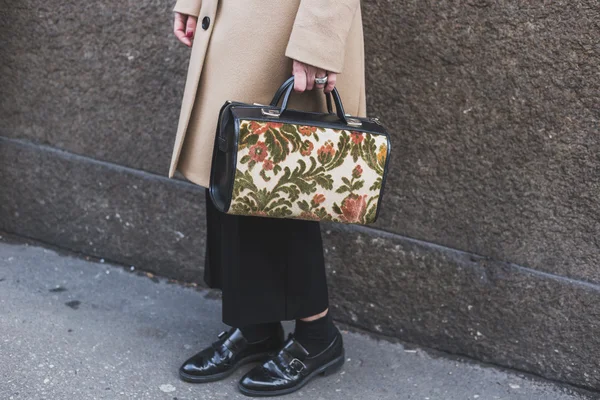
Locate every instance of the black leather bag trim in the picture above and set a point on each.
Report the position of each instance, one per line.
(384, 177)
(296, 117)
(219, 151)
(236, 124)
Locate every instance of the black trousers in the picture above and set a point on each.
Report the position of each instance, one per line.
(268, 269)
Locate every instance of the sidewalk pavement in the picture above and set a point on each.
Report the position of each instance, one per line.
(72, 329)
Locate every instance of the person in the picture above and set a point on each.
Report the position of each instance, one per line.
(269, 270)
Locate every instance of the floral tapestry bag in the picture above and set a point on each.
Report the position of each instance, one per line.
(271, 161)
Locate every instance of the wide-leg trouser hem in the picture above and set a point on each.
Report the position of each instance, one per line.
(268, 269)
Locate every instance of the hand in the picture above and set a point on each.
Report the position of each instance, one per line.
(304, 77)
(185, 28)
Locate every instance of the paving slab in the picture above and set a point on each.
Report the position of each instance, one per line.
(72, 328)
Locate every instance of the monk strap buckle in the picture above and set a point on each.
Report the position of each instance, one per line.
(297, 366)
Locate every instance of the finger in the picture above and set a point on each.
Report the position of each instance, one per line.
(331, 79)
(310, 77)
(179, 29)
(321, 73)
(300, 82)
(299, 77)
(190, 27)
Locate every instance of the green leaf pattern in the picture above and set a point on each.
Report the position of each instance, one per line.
(311, 173)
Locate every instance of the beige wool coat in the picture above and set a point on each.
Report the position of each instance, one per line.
(242, 51)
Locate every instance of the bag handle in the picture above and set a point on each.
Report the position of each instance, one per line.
(280, 92)
(285, 90)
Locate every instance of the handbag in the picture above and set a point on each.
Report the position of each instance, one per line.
(271, 161)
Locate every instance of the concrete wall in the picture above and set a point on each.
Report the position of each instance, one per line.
(488, 241)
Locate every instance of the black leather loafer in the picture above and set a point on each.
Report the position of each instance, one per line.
(224, 356)
(291, 369)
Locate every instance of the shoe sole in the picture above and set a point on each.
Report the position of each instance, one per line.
(327, 369)
(222, 375)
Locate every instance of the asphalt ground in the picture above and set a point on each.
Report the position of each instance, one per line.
(77, 329)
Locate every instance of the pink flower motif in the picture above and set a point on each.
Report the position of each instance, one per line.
(318, 199)
(258, 152)
(256, 128)
(307, 148)
(357, 171)
(326, 152)
(268, 165)
(354, 208)
(357, 137)
(307, 130)
(309, 215)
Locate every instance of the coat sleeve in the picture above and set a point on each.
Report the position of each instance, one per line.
(320, 31)
(189, 7)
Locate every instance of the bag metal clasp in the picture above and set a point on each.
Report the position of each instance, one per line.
(270, 112)
(353, 122)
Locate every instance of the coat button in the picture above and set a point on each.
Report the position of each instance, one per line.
(205, 23)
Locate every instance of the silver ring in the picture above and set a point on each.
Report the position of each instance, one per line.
(321, 81)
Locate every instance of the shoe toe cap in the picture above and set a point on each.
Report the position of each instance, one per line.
(189, 368)
(197, 366)
(259, 379)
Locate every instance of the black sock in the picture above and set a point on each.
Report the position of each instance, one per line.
(258, 332)
(315, 335)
